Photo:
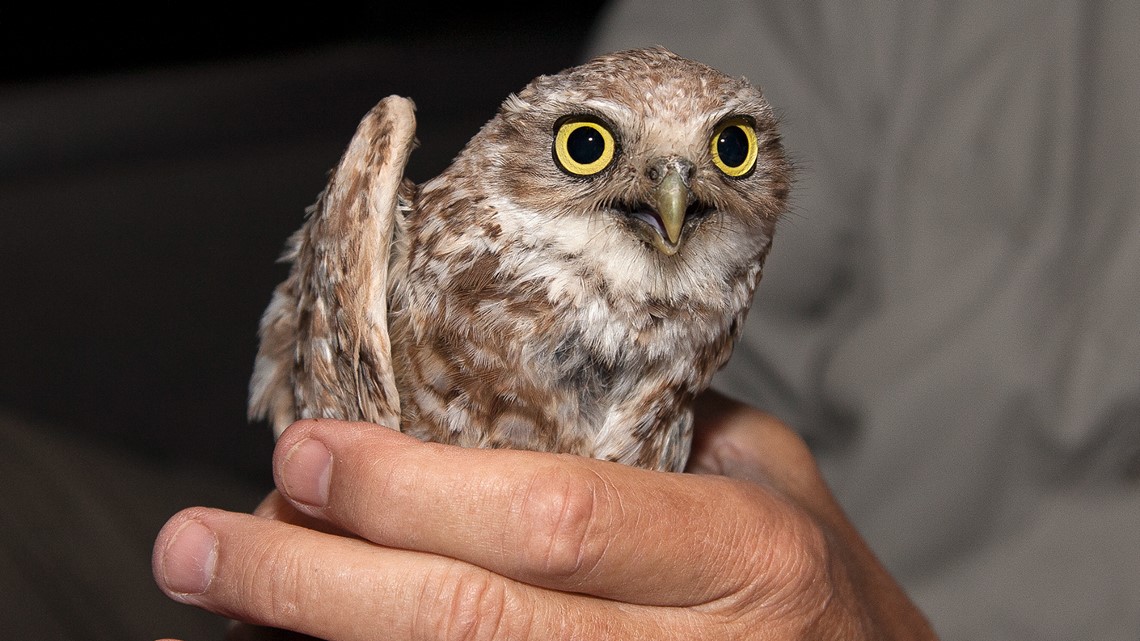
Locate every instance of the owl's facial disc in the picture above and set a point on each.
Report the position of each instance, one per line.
(661, 222)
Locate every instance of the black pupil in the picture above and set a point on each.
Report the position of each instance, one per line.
(585, 145)
(732, 146)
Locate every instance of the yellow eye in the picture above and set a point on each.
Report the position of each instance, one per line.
(733, 147)
(583, 146)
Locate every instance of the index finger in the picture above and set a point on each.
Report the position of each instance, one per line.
(557, 521)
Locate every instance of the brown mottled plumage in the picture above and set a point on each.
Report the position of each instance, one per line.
(511, 302)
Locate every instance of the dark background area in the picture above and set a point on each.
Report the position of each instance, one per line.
(152, 167)
(41, 41)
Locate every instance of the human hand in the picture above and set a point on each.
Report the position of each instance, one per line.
(376, 535)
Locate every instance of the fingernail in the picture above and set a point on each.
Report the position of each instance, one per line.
(189, 559)
(305, 473)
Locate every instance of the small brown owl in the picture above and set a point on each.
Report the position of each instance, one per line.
(569, 284)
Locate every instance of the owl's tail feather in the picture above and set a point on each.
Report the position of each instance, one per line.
(325, 349)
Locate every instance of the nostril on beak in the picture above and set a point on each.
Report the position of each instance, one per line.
(684, 168)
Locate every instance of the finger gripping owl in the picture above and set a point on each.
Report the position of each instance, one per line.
(569, 283)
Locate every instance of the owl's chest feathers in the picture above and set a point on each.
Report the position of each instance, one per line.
(490, 330)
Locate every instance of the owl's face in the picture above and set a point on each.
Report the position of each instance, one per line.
(660, 167)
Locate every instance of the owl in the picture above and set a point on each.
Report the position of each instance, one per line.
(570, 283)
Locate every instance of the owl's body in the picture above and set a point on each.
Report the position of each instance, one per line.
(570, 283)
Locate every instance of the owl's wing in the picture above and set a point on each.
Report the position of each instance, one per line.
(325, 350)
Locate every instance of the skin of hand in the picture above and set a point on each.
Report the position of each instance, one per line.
(373, 534)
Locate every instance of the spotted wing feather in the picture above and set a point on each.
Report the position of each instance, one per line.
(325, 348)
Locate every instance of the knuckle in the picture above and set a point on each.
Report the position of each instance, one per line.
(807, 555)
(462, 603)
(562, 513)
(796, 574)
(269, 580)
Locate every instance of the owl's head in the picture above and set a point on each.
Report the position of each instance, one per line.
(642, 153)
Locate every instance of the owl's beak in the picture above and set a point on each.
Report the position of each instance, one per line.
(672, 201)
(660, 219)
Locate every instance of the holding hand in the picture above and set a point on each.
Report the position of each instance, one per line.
(378, 535)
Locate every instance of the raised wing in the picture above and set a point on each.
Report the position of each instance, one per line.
(325, 350)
